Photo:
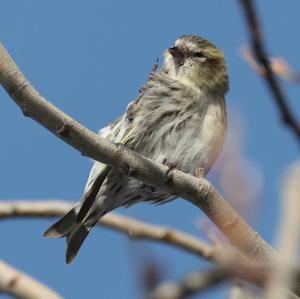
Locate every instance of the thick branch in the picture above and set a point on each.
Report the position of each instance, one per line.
(261, 54)
(196, 190)
(22, 286)
(133, 228)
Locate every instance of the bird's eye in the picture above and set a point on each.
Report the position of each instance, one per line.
(199, 55)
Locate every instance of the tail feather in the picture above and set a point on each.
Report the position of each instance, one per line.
(63, 226)
(75, 232)
(75, 239)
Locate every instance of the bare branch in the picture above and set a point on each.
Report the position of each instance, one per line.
(134, 229)
(279, 66)
(233, 263)
(261, 54)
(22, 286)
(193, 283)
(288, 237)
(196, 282)
(196, 190)
(239, 291)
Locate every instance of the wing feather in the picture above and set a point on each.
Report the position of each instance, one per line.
(118, 132)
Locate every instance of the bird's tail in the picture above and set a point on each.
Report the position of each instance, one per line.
(74, 231)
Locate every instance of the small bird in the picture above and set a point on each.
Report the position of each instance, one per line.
(178, 119)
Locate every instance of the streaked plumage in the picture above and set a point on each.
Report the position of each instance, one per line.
(180, 117)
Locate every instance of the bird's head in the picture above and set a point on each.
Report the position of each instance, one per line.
(195, 61)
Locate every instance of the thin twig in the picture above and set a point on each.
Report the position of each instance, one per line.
(278, 65)
(196, 190)
(22, 286)
(261, 54)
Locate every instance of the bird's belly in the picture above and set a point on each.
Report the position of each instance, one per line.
(196, 144)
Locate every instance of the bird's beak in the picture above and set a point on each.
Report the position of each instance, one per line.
(178, 53)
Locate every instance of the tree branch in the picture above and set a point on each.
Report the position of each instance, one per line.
(232, 264)
(132, 228)
(22, 286)
(196, 190)
(288, 237)
(191, 284)
(239, 291)
(261, 54)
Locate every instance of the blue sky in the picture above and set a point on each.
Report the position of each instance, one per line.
(90, 58)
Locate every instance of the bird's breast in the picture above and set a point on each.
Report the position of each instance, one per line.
(190, 136)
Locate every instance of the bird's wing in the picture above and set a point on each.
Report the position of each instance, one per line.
(118, 132)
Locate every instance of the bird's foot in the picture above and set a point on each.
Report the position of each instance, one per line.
(171, 166)
(199, 173)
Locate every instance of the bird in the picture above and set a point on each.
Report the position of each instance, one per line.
(178, 119)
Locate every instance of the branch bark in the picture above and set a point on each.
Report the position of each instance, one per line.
(196, 190)
(132, 228)
(260, 52)
(22, 286)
